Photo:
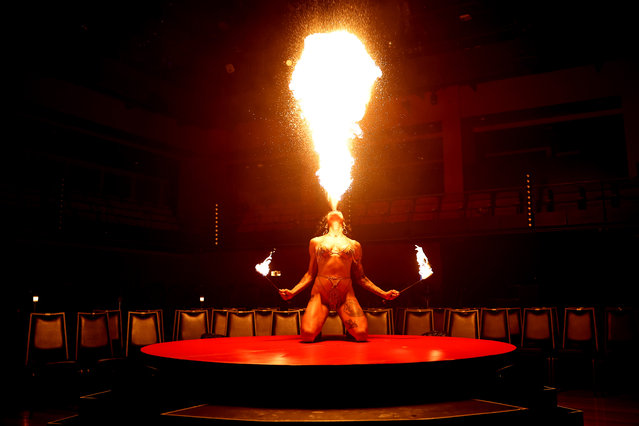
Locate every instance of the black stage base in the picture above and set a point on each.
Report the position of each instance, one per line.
(107, 408)
(478, 390)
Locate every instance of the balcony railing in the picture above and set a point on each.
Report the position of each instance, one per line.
(589, 203)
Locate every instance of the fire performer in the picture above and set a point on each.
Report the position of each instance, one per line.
(335, 263)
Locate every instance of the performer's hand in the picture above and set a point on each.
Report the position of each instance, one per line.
(391, 294)
(286, 294)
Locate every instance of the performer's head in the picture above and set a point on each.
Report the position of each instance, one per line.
(332, 218)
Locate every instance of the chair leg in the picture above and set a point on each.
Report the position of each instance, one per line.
(597, 385)
(551, 364)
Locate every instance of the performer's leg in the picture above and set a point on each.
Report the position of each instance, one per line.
(354, 319)
(314, 318)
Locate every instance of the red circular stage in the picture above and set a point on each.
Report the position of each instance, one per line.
(289, 351)
(281, 371)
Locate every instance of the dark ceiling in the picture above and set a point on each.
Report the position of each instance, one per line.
(210, 63)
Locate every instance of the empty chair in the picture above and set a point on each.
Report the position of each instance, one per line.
(263, 322)
(579, 343)
(240, 324)
(620, 345)
(94, 352)
(333, 325)
(93, 341)
(190, 324)
(286, 323)
(538, 342)
(219, 322)
(418, 321)
(463, 323)
(538, 330)
(47, 339)
(580, 330)
(514, 325)
(494, 324)
(620, 330)
(380, 321)
(143, 329)
(53, 376)
(160, 313)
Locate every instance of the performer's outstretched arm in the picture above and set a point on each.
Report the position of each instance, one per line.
(357, 274)
(308, 278)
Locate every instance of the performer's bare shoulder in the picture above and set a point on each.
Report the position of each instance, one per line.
(315, 242)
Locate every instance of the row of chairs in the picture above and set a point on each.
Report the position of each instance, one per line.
(534, 327)
(99, 334)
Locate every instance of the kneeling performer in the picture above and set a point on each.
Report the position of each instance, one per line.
(335, 263)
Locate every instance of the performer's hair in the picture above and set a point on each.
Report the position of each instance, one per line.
(322, 227)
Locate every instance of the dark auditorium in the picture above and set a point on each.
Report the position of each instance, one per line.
(251, 212)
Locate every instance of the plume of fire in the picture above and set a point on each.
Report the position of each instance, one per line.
(332, 83)
(265, 267)
(425, 270)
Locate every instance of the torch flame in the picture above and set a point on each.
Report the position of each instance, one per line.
(425, 270)
(264, 267)
(332, 84)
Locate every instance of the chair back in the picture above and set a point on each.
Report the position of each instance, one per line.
(47, 338)
(380, 321)
(240, 324)
(219, 322)
(440, 315)
(418, 321)
(286, 323)
(160, 313)
(190, 324)
(620, 329)
(263, 322)
(580, 329)
(514, 325)
(494, 324)
(93, 341)
(143, 329)
(538, 329)
(115, 329)
(463, 323)
(333, 325)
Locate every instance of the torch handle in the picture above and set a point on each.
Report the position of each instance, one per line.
(413, 284)
(272, 283)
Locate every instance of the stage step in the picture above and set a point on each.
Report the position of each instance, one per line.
(470, 412)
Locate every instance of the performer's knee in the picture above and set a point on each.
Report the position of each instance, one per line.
(359, 334)
(309, 334)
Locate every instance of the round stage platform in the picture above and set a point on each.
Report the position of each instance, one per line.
(288, 350)
(282, 371)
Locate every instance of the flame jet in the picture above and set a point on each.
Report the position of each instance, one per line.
(332, 83)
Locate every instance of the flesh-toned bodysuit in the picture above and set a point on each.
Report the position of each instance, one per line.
(336, 261)
(333, 288)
